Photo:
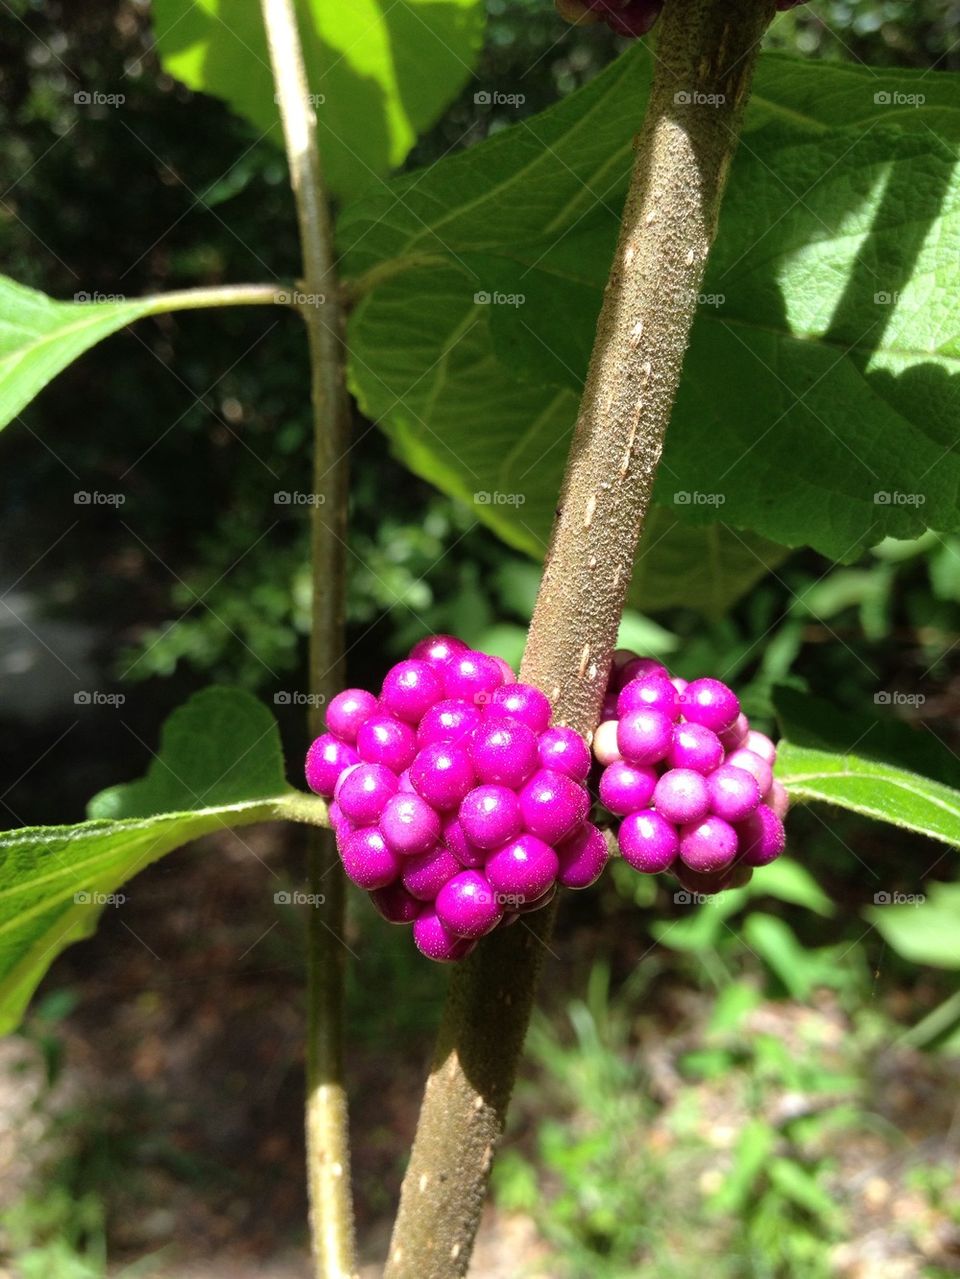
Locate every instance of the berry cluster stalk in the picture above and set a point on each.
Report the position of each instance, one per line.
(327, 1133)
(704, 64)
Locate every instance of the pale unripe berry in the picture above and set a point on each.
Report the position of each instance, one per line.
(326, 760)
(348, 711)
(605, 746)
(708, 845)
(409, 824)
(648, 842)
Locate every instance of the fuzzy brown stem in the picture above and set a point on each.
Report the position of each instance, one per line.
(704, 65)
(327, 1131)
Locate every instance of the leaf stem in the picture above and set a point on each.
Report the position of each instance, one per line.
(328, 1143)
(215, 295)
(704, 67)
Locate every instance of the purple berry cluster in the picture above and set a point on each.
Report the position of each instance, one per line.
(455, 805)
(690, 781)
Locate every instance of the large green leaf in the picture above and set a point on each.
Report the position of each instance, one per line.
(39, 336)
(381, 71)
(219, 766)
(806, 392)
(924, 929)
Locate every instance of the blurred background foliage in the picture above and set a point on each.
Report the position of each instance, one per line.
(765, 1079)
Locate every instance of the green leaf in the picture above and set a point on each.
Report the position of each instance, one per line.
(39, 336)
(219, 767)
(813, 410)
(925, 930)
(788, 881)
(381, 72)
(774, 942)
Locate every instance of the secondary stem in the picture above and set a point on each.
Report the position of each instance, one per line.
(704, 66)
(328, 1145)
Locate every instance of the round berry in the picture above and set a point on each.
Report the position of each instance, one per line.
(442, 774)
(527, 907)
(368, 861)
(761, 745)
(365, 792)
(624, 787)
(326, 760)
(435, 940)
(395, 904)
(775, 798)
(341, 780)
(410, 689)
(695, 747)
(553, 805)
(753, 764)
(386, 740)
(506, 670)
(708, 845)
(762, 837)
(679, 684)
(682, 796)
(648, 692)
(348, 711)
(409, 824)
(404, 783)
(734, 793)
(454, 837)
(639, 668)
(468, 905)
(472, 676)
(710, 703)
(424, 874)
(735, 736)
(437, 649)
(648, 842)
(582, 857)
(522, 870)
(605, 746)
(504, 751)
(564, 751)
(524, 703)
(448, 721)
(633, 20)
(608, 708)
(706, 883)
(490, 816)
(644, 737)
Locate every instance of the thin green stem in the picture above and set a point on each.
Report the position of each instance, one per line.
(216, 295)
(328, 1144)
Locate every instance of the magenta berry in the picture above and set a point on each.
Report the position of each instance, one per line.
(435, 940)
(522, 870)
(648, 842)
(682, 796)
(442, 774)
(348, 711)
(708, 845)
(778, 799)
(466, 853)
(734, 793)
(626, 787)
(736, 735)
(522, 702)
(368, 861)
(472, 676)
(753, 764)
(383, 739)
(762, 837)
(424, 874)
(528, 906)
(364, 793)
(710, 703)
(582, 857)
(409, 824)
(410, 689)
(326, 760)
(761, 745)
(395, 904)
(437, 649)
(695, 747)
(553, 805)
(448, 721)
(506, 670)
(468, 906)
(645, 736)
(504, 751)
(639, 668)
(648, 692)
(564, 751)
(490, 816)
